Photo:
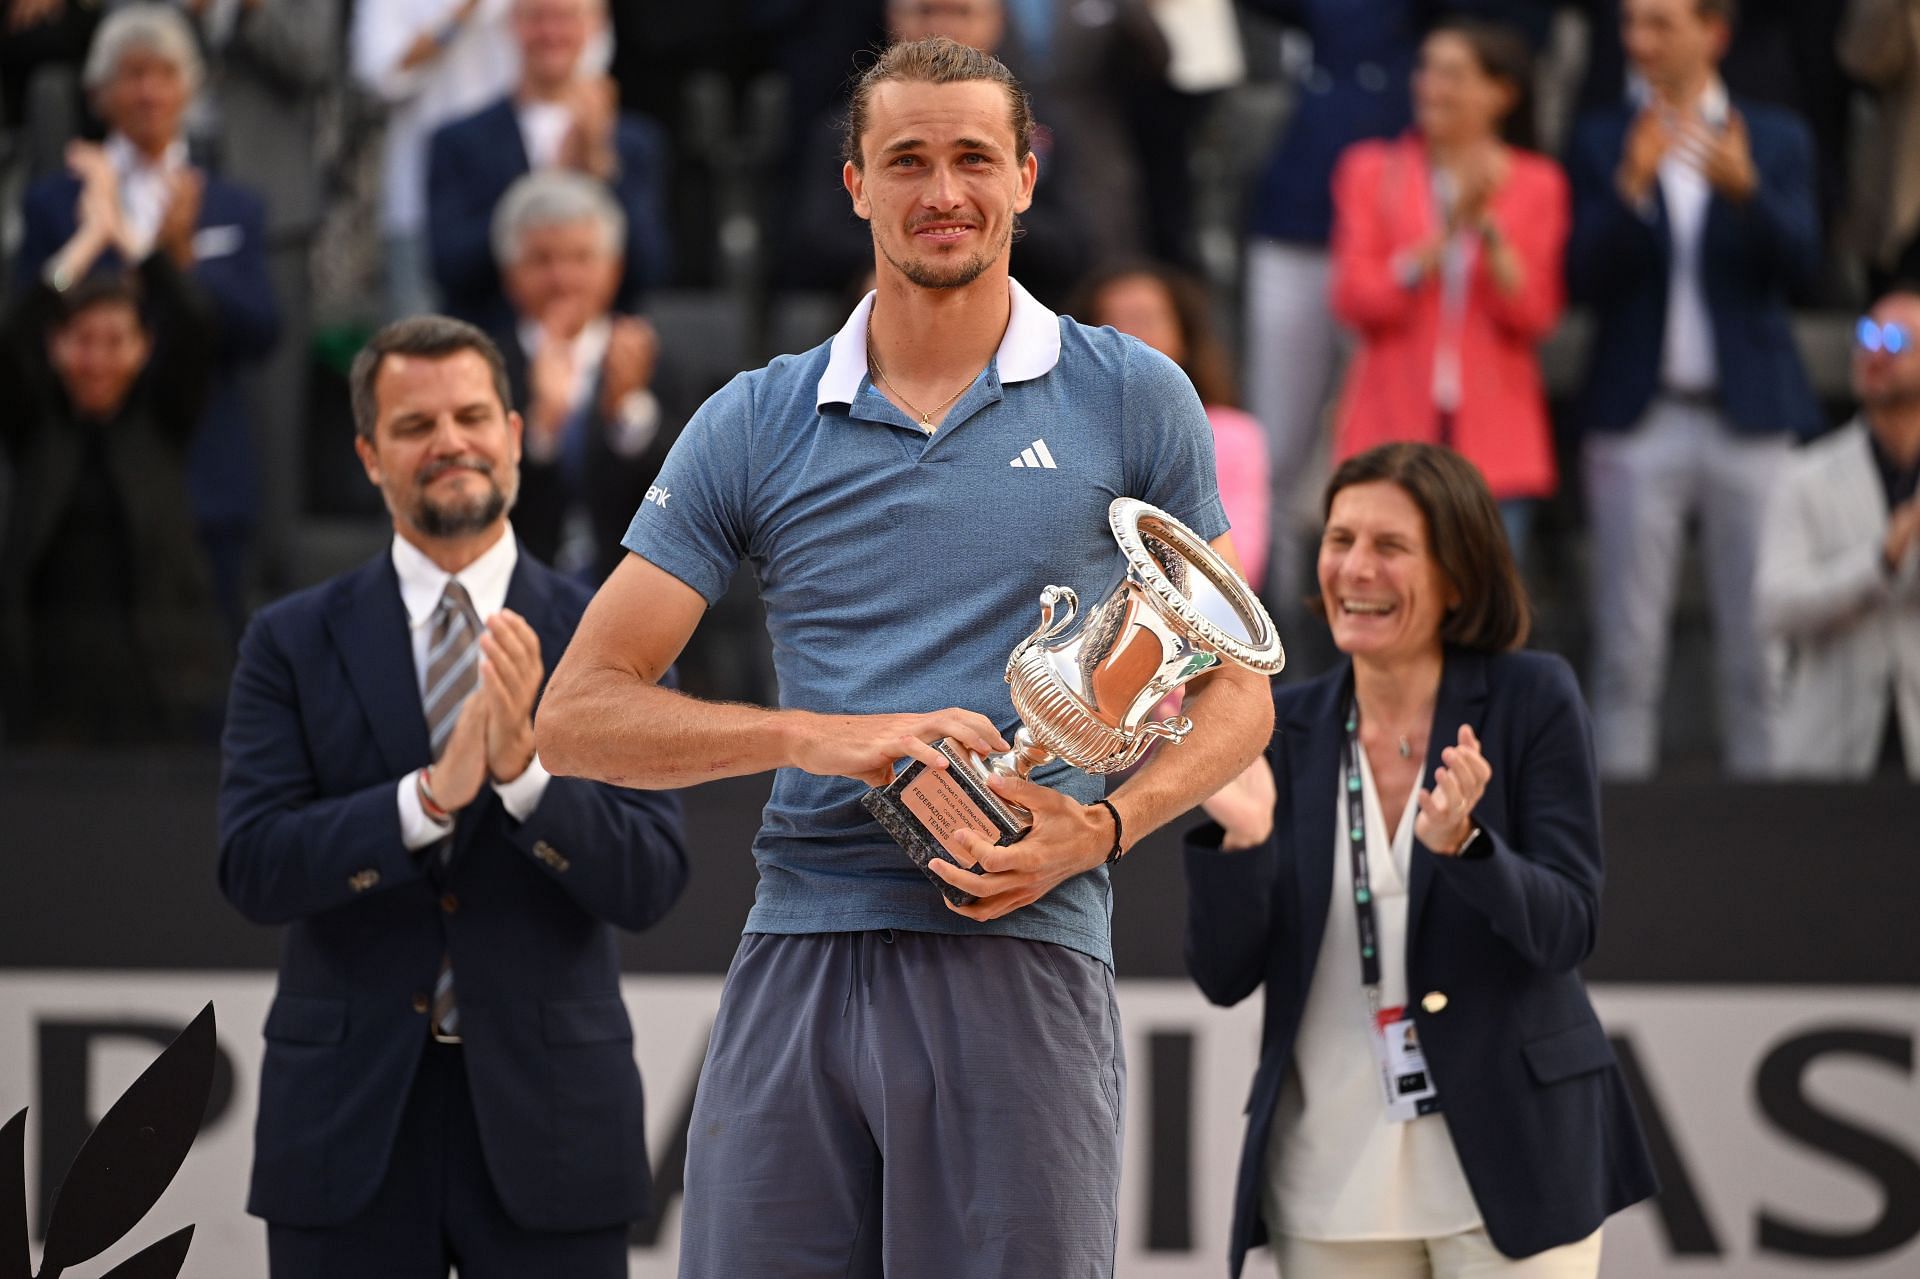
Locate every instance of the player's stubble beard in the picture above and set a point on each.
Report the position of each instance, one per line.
(958, 275)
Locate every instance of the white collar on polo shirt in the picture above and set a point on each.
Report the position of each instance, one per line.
(1029, 348)
(422, 582)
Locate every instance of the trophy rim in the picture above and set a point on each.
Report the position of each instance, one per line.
(1263, 653)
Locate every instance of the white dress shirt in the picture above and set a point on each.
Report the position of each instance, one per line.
(479, 64)
(146, 188)
(1337, 1169)
(1687, 359)
(422, 583)
(543, 127)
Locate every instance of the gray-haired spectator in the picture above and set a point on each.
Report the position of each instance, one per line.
(1839, 577)
(142, 73)
(582, 376)
(564, 114)
(430, 61)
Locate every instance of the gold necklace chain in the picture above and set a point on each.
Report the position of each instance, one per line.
(926, 417)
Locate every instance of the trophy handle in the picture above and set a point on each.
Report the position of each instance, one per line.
(1172, 729)
(1050, 625)
(1070, 608)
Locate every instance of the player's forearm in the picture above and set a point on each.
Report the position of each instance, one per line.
(613, 726)
(1232, 713)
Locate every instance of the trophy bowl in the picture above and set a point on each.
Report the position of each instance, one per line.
(1086, 684)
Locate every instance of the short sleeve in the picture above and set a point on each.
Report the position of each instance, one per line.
(694, 521)
(1169, 442)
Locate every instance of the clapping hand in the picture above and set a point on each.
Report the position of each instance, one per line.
(1723, 156)
(511, 669)
(1445, 818)
(1244, 807)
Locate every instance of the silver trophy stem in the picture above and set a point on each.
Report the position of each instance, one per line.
(1020, 762)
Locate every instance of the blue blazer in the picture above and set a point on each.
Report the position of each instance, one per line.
(231, 270)
(1532, 1096)
(323, 721)
(1752, 257)
(471, 163)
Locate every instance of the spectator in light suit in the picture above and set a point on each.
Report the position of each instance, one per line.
(449, 1074)
(561, 116)
(1840, 569)
(1693, 220)
(142, 72)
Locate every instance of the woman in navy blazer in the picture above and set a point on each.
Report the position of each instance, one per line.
(1479, 913)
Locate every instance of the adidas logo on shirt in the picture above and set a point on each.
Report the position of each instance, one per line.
(1036, 454)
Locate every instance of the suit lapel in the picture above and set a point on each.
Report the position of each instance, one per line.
(1462, 700)
(370, 631)
(1314, 737)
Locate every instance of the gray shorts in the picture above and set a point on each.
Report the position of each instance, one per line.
(907, 1104)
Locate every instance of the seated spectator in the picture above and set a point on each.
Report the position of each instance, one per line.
(1839, 576)
(1169, 311)
(1693, 220)
(1880, 46)
(143, 71)
(108, 629)
(820, 243)
(429, 61)
(582, 376)
(560, 117)
(1447, 246)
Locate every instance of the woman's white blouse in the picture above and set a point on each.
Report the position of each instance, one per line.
(1336, 1168)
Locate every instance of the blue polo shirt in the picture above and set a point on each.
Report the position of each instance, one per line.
(899, 569)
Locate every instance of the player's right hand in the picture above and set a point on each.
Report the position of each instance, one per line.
(864, 747)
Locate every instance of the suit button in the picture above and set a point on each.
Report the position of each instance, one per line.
(1434, 1001)
(421, 1003)
(449, 903)
(361, 881)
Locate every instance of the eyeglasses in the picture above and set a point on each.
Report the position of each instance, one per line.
(1891, 338)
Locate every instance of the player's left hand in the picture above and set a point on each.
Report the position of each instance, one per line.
(512, 669)
(1068, 838)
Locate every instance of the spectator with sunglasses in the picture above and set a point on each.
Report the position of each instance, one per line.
(1839, 570)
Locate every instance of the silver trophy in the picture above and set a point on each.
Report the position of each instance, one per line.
(1084, 695)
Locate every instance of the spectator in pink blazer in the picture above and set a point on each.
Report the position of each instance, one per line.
(1169, 311)
(1446, 261)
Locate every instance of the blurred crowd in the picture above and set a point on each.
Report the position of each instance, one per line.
(1649, 264)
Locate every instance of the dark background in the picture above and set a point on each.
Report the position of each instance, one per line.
(111, 864)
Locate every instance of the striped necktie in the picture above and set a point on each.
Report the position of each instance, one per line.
(453, 670)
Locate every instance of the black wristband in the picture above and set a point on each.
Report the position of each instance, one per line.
(1114, 854)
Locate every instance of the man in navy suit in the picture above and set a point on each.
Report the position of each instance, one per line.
(449, 1075)
(1694, 220)
(142, 72)
(559, 116)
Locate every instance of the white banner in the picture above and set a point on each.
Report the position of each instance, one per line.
(1792, 1115)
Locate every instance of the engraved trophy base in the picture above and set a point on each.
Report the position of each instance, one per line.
(924, 808)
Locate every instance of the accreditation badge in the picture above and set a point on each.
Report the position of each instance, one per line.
(1404, 1077)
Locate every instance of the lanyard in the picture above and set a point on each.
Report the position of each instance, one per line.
(1364, 915)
